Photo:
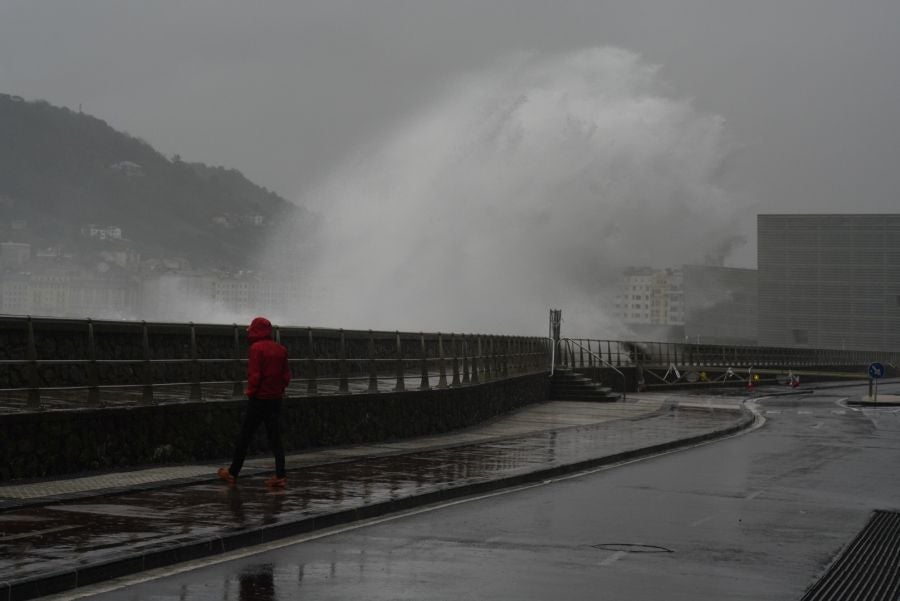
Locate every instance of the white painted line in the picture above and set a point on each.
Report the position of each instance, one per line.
(613, 558)
(752, 496)
(701, 521)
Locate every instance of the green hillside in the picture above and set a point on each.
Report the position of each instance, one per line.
(61, 170)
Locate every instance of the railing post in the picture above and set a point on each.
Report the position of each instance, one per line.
(344, 384)
(92, 376)
(33, 374)
(465, 354)
(476, 358)
(195, 366)
(454, 341)
(488, 369)
(442, 369)
(401, 385)
(312, 383)
(373, 368)
(517, 355)
(147, 389)
(496, 360)
(424, 384)
(237, 390)
(506, 350)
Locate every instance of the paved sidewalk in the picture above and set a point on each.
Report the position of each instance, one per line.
(546, 416)
(78, 533)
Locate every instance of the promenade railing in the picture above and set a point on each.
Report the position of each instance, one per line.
(583, 352)
(49, 363)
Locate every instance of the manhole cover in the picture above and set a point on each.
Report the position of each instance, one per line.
(631, 548)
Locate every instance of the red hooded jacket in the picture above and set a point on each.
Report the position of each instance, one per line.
(268, 372)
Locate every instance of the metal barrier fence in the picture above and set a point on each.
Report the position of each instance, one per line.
(579, 352)
(66, 363)
(70, 363)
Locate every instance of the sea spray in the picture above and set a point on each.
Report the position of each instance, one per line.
(528, 186)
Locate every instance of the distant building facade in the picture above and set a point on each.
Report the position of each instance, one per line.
(650, 302)
(694, 303)
(651, 296)
(102, 232)
(829, 281)
(14, 254)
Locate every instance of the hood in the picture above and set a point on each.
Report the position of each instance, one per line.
(260, 329)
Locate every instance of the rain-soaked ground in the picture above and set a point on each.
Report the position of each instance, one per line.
(201, 519)
(755, 517)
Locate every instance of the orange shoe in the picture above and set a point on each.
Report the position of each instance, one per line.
(276, 482)
(225, 475)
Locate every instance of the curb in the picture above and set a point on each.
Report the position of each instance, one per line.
(56, 582)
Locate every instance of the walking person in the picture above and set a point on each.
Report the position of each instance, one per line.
(268, 374)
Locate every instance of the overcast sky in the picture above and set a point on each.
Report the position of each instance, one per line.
(809, 89)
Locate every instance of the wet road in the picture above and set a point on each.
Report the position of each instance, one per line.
(757, 516)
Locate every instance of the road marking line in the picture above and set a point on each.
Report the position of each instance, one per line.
(701, 521)
(752, 496)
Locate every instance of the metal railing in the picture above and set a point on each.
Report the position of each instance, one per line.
(66, 363)
(569, 343)
(623, 353)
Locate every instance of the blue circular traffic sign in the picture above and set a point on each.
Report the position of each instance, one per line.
(876, 370)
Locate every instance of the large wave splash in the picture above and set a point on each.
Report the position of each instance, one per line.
(528, 186)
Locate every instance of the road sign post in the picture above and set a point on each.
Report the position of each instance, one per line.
(876, 370)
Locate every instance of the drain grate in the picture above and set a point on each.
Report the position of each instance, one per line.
(867, 570)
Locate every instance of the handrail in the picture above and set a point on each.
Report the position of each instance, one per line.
(603, 361)
(44, 356)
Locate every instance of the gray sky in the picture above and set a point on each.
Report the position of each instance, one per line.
(809, 89)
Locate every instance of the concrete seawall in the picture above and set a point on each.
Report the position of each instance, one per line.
(41, 444)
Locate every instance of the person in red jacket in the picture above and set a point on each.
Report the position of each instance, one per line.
(268, 374)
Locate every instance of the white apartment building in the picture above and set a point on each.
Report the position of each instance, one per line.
(651, 296)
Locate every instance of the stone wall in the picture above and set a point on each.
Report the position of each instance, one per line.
(42, 444)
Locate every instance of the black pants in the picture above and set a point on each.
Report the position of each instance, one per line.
(269, 412)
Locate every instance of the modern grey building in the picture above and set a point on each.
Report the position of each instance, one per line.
(829, 281)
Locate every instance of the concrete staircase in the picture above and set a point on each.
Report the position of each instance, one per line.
(569, 385)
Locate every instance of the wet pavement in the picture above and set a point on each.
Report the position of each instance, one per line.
(55, 545)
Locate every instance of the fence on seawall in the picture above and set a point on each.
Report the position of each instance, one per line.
(584, 352)
(51, 363)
